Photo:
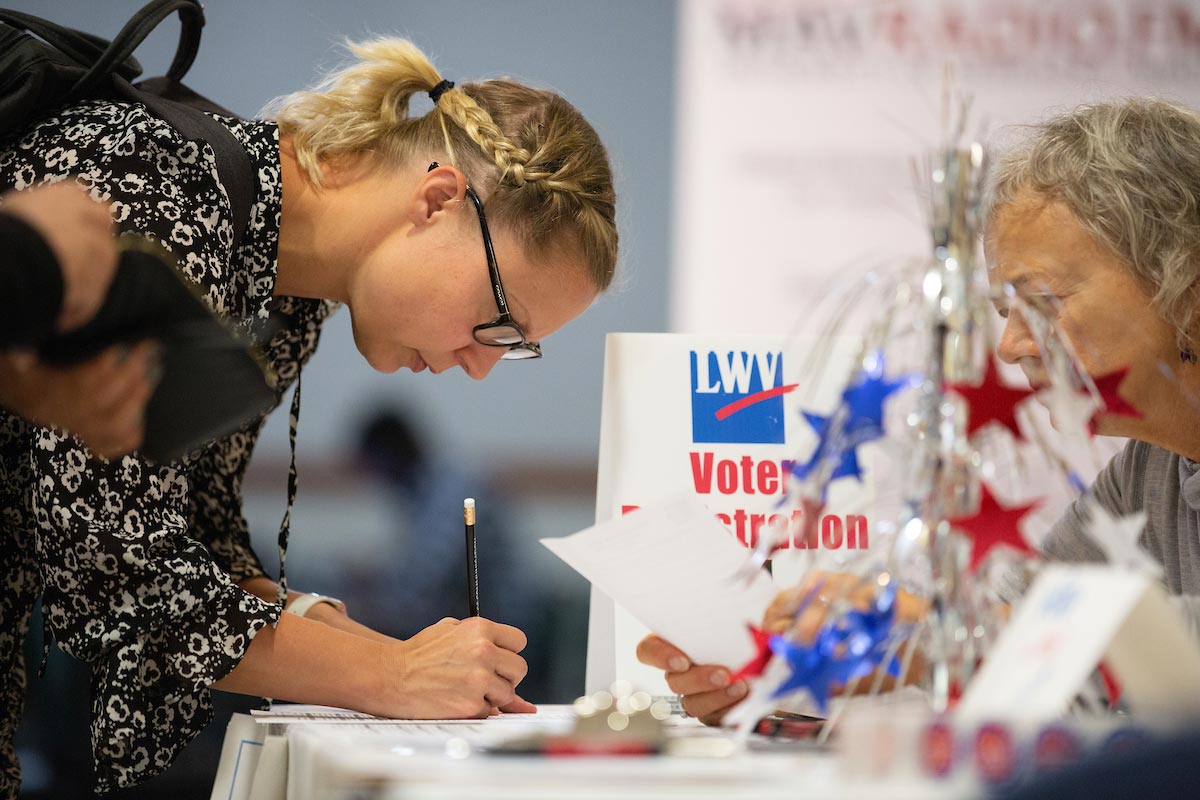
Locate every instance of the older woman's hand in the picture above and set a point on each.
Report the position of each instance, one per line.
(827, 588)
(705, 690)
(831, 587)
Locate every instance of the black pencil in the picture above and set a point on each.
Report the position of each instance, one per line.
(472, 561)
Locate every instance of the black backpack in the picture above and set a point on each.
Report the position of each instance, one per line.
(63, 65)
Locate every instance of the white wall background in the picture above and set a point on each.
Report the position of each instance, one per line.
(798, 119)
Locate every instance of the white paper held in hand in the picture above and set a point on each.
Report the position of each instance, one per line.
(675, 568)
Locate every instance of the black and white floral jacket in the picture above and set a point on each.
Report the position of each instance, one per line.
(137, 563)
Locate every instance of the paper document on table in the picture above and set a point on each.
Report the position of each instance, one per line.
(675, 568)
(321, 756)
(293, 713)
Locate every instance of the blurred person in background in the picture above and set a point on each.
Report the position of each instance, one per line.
(422, 577)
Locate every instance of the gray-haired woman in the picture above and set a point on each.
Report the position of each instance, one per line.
(1097, 217)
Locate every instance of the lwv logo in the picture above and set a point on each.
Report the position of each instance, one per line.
(737, 397)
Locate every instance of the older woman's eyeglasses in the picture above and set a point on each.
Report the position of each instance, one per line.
(503, 331)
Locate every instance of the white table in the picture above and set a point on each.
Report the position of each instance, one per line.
(356, 760)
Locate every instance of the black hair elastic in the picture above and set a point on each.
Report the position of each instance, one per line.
(436, 92)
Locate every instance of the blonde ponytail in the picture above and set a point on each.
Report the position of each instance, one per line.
(539, 166)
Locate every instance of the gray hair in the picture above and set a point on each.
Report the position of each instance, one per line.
(1130, 172)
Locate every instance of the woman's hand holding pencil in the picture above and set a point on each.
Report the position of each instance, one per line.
(461, 668)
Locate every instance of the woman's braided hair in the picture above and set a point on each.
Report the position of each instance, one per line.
(536, 162)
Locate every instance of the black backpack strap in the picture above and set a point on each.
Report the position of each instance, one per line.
(233, 163)
(191, 17)
(81, 47)
(112, 67)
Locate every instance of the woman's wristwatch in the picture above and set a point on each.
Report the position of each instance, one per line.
(304, 603)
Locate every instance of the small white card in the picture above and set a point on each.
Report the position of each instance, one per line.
(1074, 617)
(676, 569)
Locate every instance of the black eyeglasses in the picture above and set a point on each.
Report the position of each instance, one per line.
(503, 331)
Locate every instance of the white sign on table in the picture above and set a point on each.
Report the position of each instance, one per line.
(718, 418)
(1072, 618)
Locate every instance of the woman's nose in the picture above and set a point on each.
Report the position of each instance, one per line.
(478, 359)
(1016, 340)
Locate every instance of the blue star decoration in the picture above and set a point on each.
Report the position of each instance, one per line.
(813, 667)
(864, 397)
(867, 635)
(843, 650)
(862, 401)
(848, 463)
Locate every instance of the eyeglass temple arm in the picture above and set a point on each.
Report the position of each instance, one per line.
(493, 270)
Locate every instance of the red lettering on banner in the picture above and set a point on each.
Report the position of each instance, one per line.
(743, 475)
(702, 472)
(727, 482)
(1094, 38)
(756, 522)
(1143, 27)
(897, 31)
(955, 27)
(1039, 38)
(739, 525)
(803, 539)
(747, 474)
(1185, 24)
(785, 470)
(833, 532)
(738, 26)
(856, 532)
(768, 477)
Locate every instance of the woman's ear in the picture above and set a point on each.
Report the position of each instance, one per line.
(441, 189)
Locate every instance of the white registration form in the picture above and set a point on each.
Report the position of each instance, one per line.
(676, 569)
(289, 752)
(297, 713)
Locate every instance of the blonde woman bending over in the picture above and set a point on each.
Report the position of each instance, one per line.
(456, 238)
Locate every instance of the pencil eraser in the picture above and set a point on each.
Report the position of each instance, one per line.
(469, 502)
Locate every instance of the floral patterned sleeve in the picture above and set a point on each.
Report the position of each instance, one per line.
(215, 511)
(126, 588)
(139, 562)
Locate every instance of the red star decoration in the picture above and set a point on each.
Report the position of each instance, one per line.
(1114, 404)
(991, 401)
(992, 526)
(762, 655)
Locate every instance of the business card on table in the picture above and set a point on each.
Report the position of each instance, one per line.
(1074, 617)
